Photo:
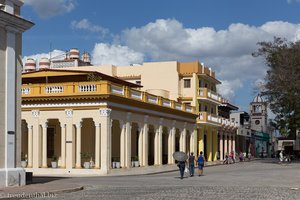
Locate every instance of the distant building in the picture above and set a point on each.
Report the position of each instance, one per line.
(243, 134)
(260, 133)
(11, 28)
(227, 133)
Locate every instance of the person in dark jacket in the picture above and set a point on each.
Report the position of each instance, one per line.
(181, 165)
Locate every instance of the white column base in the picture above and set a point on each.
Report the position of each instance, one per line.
(12, 177)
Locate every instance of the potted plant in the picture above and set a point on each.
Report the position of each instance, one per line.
(54, 161)
(23, 160)
(113, 162)
(118, 165)
(136, 161)
(86, 156)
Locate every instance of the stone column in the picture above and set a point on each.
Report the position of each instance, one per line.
(209, 145)
(30, 138)
(170, 150)
(225, 144)
(105, 139)
(128, 142)
(63, 145)
(160, 132)
(44, 155)
(221, 146)
(156, 151)
(97, 145)
(215, 144)
(70, 140)
(201, 141)
(122, 144)
(194, 141)
(233, 144)
(140, 145)
(145, 141)
(173, 145)
(184, 140)
(78, 145)
(229, 143)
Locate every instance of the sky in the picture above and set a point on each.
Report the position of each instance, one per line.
(221, 34)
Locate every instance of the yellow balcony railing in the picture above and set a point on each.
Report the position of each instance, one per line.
(205, 117)
(204, 93)
(99, 88)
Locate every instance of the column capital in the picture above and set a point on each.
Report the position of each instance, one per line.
(105, 112)
(29, 126)
(44, 125)
(97, 124)
(63, 125)
(78, 125)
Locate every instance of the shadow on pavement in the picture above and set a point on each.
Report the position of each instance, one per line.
(44, 179)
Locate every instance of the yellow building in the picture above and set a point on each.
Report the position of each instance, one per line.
(191, 83)
(75, 116)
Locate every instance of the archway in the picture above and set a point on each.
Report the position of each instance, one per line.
(165, 146)
(115, 143)
(151, 135)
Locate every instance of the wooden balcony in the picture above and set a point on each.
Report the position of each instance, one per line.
(209, 95)
(99, 88)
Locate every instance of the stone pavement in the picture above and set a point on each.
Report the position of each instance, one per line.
(48, 186)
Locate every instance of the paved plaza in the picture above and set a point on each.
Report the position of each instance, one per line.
(261, 179)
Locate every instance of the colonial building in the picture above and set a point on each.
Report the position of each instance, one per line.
(11, 28)
(74, 116)
(191, 83)
(227, 133)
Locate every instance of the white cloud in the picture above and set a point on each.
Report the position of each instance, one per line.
(227, 51)
(55, 55)
(291, 1)
(115, 54)
(85, 24)
(50, 8)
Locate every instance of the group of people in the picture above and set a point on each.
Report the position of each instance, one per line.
(192, 162)
(229, 158)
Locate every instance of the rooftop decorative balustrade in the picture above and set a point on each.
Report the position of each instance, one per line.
(99, 88)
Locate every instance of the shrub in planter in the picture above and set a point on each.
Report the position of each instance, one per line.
(54, 162)
(87, 159)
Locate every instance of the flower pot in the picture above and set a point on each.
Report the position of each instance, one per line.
(117, 165)
(113, 165)
(132, 164)
(23, 164)
(136, 163)
(54, 164)
(86, 165)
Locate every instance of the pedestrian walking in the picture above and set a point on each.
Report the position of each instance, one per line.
(192, 164)
(181, 166)
(200, 163)
(226, 159)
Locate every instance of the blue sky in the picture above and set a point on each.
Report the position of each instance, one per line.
(222, 34)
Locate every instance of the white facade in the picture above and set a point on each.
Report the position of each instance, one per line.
(11, 29)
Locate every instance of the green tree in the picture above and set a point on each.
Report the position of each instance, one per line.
(282, 82)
